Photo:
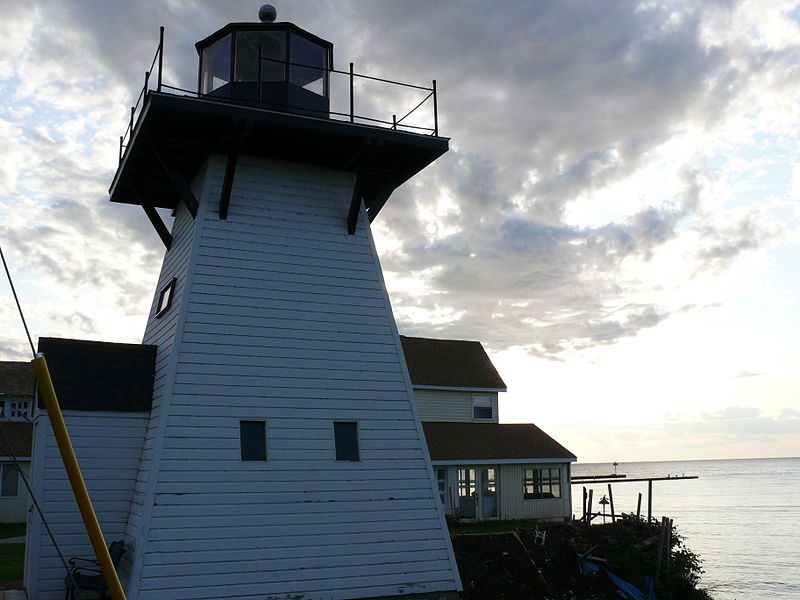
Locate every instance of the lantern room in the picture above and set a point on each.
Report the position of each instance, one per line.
(277, 66)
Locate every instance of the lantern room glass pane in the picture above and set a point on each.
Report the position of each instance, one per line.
(272, 47)
(215, 65)
(309, 67)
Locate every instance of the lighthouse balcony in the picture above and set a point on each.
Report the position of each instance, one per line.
(270, 90)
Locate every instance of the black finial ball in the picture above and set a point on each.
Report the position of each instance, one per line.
(267, 13)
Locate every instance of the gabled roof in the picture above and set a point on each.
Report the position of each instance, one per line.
(450, 363)
(16, 379)
(491, 441)
(100, 375)
(20, 435)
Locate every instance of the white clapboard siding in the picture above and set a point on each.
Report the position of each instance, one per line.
(14, 509)
(108, 446)
(280, 315)
(453, 406)
(513, 505)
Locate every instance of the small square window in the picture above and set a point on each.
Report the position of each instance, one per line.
(165, 298)
(345, 436)
(482, 407)
(253, 440)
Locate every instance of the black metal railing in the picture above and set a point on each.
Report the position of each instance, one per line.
(430, 99)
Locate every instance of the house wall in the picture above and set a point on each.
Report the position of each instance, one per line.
(287, 320)
(108, 447)
(451, 405)
(511, 503)
(15, 510)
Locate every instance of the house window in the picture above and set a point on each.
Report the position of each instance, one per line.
(253, 440)
(441, 480)
(9, 480)
(19, 410)
(165, 297)
(541, 483)
(482, 407)
(345, 435)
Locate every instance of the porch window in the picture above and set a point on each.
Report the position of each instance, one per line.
(467, 483)
(441, 480)
(541, 483)
(482, 407)
(9, 481)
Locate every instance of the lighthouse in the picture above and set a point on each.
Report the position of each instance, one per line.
(282, 456)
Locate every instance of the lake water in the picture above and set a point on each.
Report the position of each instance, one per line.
(741, 516)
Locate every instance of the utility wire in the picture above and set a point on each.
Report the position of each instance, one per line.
(12, 455)
(16, 463)
(16, 299)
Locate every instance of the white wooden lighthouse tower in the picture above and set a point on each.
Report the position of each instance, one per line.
(283, 457)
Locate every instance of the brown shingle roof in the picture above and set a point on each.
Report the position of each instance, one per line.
(491, 441)
(16, 379)
(20, 434)
(450, 363)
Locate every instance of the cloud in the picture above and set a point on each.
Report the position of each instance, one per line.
(551, 106)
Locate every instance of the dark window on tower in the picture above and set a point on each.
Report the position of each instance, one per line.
(346, 437)
(165, 298)
(253, 440)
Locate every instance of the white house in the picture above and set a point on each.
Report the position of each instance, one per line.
(16, 395)
(268, 445)
(484, 469)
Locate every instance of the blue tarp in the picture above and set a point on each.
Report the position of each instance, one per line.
(625, 589)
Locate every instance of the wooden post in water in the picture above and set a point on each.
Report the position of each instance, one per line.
(662, 543)
(585, 495)
(589, 507)
(669, 546)
(649, 500)
(611, 502)
(639, 507)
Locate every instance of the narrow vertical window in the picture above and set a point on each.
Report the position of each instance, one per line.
(253, 440)
(345, 436)
(165, 298)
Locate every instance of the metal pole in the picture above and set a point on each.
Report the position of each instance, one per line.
(120, 148)
(160, 54)
(260, 75)
(435, 112)
(649, 500)
(394, 121)
(639, 507)
(351, 93)
(133, 111)
(146, 83)
(48, 394)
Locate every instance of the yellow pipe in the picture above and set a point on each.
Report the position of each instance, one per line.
(48, 394)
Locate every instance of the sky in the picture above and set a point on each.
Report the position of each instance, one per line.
(617, 219)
